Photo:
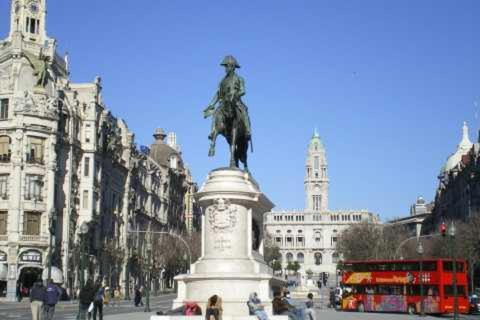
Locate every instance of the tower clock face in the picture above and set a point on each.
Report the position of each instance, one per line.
(34, 7)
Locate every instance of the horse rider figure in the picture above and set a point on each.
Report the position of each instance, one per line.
(228, 98)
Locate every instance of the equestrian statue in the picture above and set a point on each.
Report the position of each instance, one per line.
(230, 115)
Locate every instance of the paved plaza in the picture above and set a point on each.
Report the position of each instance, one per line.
(126, 311)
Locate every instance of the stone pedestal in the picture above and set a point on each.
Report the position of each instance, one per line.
(231, 264)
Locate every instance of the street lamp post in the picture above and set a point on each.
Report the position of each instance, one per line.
(83, 252)
(420, 276)
(149, 274)
(51, 228)
(451, 233)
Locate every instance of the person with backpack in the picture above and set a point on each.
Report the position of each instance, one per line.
(98, 302)
(52, 295)
(85, 296)
(37, 296)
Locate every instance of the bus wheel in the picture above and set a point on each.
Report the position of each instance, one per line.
(411, 309)
(361, 307)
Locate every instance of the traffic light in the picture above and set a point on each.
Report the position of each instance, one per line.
(443, 229)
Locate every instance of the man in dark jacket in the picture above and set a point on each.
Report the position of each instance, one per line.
(281, 307)
(37, 295)
(52, 294)
(85, 298)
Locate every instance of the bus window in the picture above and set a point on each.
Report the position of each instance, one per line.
(413, 290)
(448, 266)
(431, 291)
(449, 291)
(429, 266)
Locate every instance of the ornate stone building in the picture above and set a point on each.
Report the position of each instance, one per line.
(310, 236)
(70, 171)
(458, 193)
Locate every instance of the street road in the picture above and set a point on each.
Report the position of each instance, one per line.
(69, 310)
(126, 311)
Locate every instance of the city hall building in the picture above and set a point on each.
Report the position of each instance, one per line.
(310, 236)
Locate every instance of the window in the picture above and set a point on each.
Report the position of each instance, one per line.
(318, 239)
(449, 291)
(335, 257)
(318, 258)
(5, 151)
(173, 162)
(317, 200)
(316, 162)
(278, 241)
(31, 223)
(334, 241)
(300, 242)
(289, 241)
(3, 222)
(300, 257)
(32, 26)
(4, 186)
(448, 266)
(85, 199)
(289, 257)
(4, 109)
(33, 185)
(35, 150)
(86, 167)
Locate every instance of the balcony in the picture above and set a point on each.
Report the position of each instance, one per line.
(33, 238)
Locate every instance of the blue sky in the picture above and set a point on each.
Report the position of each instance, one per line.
(388, 84)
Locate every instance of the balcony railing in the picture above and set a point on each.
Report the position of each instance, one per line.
(33, 238)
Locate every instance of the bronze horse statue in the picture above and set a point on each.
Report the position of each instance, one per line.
(230, 118)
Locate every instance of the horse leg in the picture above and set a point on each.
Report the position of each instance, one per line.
(211, 150)
(233, 148)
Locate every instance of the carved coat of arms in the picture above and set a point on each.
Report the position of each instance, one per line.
(222, 216)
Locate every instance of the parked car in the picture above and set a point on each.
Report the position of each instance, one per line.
(474, 304)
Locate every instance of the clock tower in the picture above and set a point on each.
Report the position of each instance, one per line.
(28, 18)
(316, 176)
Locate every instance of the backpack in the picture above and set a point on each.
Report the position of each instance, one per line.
(99, 295)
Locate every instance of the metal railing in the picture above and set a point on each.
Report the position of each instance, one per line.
(30, 238)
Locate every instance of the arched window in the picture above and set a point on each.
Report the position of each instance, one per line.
(335, 257)
(318, 239)
(289, 257)
(318, 258)
(300, 257)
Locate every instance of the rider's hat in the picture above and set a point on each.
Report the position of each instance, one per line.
(230, 60)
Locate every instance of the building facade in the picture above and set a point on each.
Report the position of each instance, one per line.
(419, 211)
(458, 193)
(310, 236)
(73, 185)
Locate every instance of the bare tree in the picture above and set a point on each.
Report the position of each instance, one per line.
(368, 241)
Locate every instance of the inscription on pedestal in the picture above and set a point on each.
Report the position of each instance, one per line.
(222, 244)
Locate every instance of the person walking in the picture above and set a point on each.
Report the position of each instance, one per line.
(310, 311)
(138, 297)
(85, 298)
(37, 296)
(52, 295)
(100, 297)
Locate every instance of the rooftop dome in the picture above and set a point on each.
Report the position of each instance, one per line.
(463, 147)
(161, 152)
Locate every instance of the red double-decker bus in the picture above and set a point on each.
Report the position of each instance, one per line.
(394, 286)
